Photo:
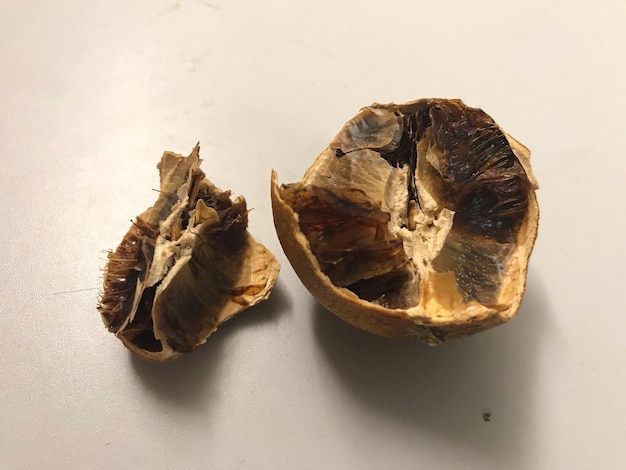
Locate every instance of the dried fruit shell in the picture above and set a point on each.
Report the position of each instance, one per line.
(418, 220)
(186, 265)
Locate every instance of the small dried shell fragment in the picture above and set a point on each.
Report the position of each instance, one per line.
(417, 220)
(186, 265)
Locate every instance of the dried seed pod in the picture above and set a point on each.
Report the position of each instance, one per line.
(416, 221)
(186, 265)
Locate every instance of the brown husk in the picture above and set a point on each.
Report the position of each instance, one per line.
(186, 265)
(416, 221)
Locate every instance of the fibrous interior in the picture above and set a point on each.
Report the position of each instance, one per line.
(186, 265)
(407, 196)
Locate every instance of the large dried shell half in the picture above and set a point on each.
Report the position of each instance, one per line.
(186, 265)
(417, 220)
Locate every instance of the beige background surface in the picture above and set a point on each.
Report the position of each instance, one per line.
(91, 93)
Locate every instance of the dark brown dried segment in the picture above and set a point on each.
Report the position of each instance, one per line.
(124, 271)
(485, 181)
(348, 237)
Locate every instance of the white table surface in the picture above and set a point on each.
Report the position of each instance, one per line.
(91, 94)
